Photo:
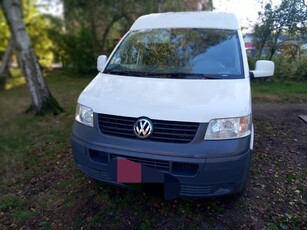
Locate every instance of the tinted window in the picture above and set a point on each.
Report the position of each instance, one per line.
(179, 53)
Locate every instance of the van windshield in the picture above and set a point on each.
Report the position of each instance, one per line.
(178, 53)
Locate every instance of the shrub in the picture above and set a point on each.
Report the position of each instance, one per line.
(289, 69)
(80, 51)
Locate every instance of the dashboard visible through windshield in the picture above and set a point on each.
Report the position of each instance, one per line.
(178, 53)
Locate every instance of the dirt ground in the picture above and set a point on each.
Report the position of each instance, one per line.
(275, 196)
(277, 189)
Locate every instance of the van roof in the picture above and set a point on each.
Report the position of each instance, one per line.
(197, 19)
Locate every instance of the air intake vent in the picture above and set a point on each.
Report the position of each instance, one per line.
(185, 169)
(157, 164)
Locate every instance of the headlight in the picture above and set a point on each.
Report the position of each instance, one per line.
(228, 128)
(84, 115)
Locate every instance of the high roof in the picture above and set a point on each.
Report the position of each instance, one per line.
(198, 19)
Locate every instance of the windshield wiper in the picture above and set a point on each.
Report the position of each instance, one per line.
(184, 75)
(125, 73)
(178, 75)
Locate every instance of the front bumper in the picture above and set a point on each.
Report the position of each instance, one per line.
(203, 168)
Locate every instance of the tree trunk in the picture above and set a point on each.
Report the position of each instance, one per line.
(260, 50)
(274, 45)
(158, 4)
(42, 100)
(4, 68)
(107, 30)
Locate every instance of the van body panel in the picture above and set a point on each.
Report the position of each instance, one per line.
(168, 99)
(187, 20)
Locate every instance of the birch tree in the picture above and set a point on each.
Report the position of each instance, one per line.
(4, 67)
(42, 99)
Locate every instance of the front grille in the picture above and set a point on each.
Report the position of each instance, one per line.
(163, 131)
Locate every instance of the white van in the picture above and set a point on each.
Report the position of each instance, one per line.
(173, 99)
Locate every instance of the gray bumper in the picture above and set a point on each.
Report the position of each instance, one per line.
(203, 168)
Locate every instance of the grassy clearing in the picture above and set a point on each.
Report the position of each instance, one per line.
(40, 186)
(280, 92)
(32, 147)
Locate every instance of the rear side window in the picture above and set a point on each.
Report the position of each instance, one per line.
(179, 53)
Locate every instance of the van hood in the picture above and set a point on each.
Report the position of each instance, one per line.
(168, 99)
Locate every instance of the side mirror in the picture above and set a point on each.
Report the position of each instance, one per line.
(101, 62)
(263, 69)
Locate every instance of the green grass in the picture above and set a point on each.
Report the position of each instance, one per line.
(7, 202)
(31, 147)
(22, 215)
(290, 91)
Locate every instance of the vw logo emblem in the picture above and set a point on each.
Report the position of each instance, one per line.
(143, 128)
